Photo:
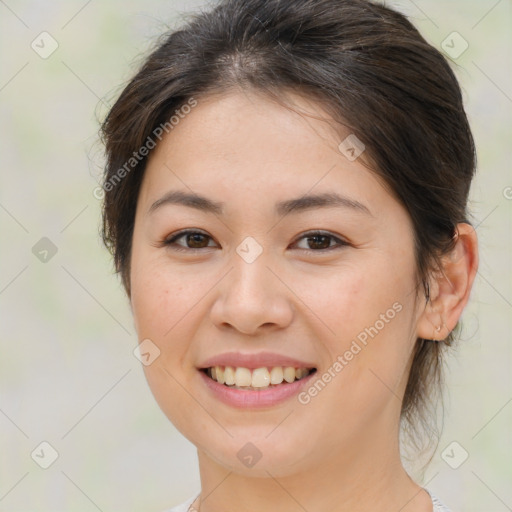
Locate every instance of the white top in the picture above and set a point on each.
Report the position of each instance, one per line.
(184, 506)
(438, 506)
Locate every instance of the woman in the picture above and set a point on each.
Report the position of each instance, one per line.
(285, 200)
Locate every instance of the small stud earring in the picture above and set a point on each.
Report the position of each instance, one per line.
(437, 331)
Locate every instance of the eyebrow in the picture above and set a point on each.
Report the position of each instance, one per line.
(300, 204)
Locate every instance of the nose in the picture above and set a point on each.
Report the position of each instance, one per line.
(252, 298)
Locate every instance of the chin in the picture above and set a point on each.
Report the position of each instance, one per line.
(251, 453)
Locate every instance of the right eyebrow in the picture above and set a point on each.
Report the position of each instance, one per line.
(189, 199)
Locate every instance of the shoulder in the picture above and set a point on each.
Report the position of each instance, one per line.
(183, 507)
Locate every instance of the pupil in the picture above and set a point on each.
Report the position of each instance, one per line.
(323, 237)
(196, 238)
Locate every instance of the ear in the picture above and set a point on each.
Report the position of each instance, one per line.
(450, 286)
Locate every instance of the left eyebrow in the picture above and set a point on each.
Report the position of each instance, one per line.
(327, 200)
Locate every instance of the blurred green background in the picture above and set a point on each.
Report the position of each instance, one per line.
(67, 372)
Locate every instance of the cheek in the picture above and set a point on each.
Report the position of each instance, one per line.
(155, 293)
(353, 298)
(168, 305)
(162, 305)
(368, 310)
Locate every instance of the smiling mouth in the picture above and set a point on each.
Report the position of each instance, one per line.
(257, 379)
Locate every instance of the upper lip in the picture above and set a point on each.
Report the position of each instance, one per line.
(252, 361)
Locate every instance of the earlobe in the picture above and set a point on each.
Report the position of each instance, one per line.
(450, 286)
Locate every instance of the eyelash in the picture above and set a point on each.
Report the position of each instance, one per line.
(170, 241)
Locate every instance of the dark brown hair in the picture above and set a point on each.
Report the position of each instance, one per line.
(370, 69)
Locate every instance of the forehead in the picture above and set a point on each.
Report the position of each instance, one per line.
(239, 144)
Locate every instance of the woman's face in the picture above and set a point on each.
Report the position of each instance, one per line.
(254, 287)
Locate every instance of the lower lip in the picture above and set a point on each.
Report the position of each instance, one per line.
(267, 397)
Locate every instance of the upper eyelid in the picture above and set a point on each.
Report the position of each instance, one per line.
(179, 234)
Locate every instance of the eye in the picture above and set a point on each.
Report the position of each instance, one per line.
(318, 241)
(193, 240)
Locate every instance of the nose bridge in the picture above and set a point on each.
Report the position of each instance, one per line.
(250, 275)
(250, 279)
(251, 296)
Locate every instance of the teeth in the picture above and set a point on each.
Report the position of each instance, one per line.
(259, 378)
(276, 375)
(300, 372)
(289, 374)
(229, 375)
(243, 377)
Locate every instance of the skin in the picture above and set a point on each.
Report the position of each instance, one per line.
(340, 451)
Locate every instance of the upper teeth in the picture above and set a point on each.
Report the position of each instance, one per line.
(257, 378)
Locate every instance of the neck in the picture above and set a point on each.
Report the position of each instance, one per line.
(366, 477)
